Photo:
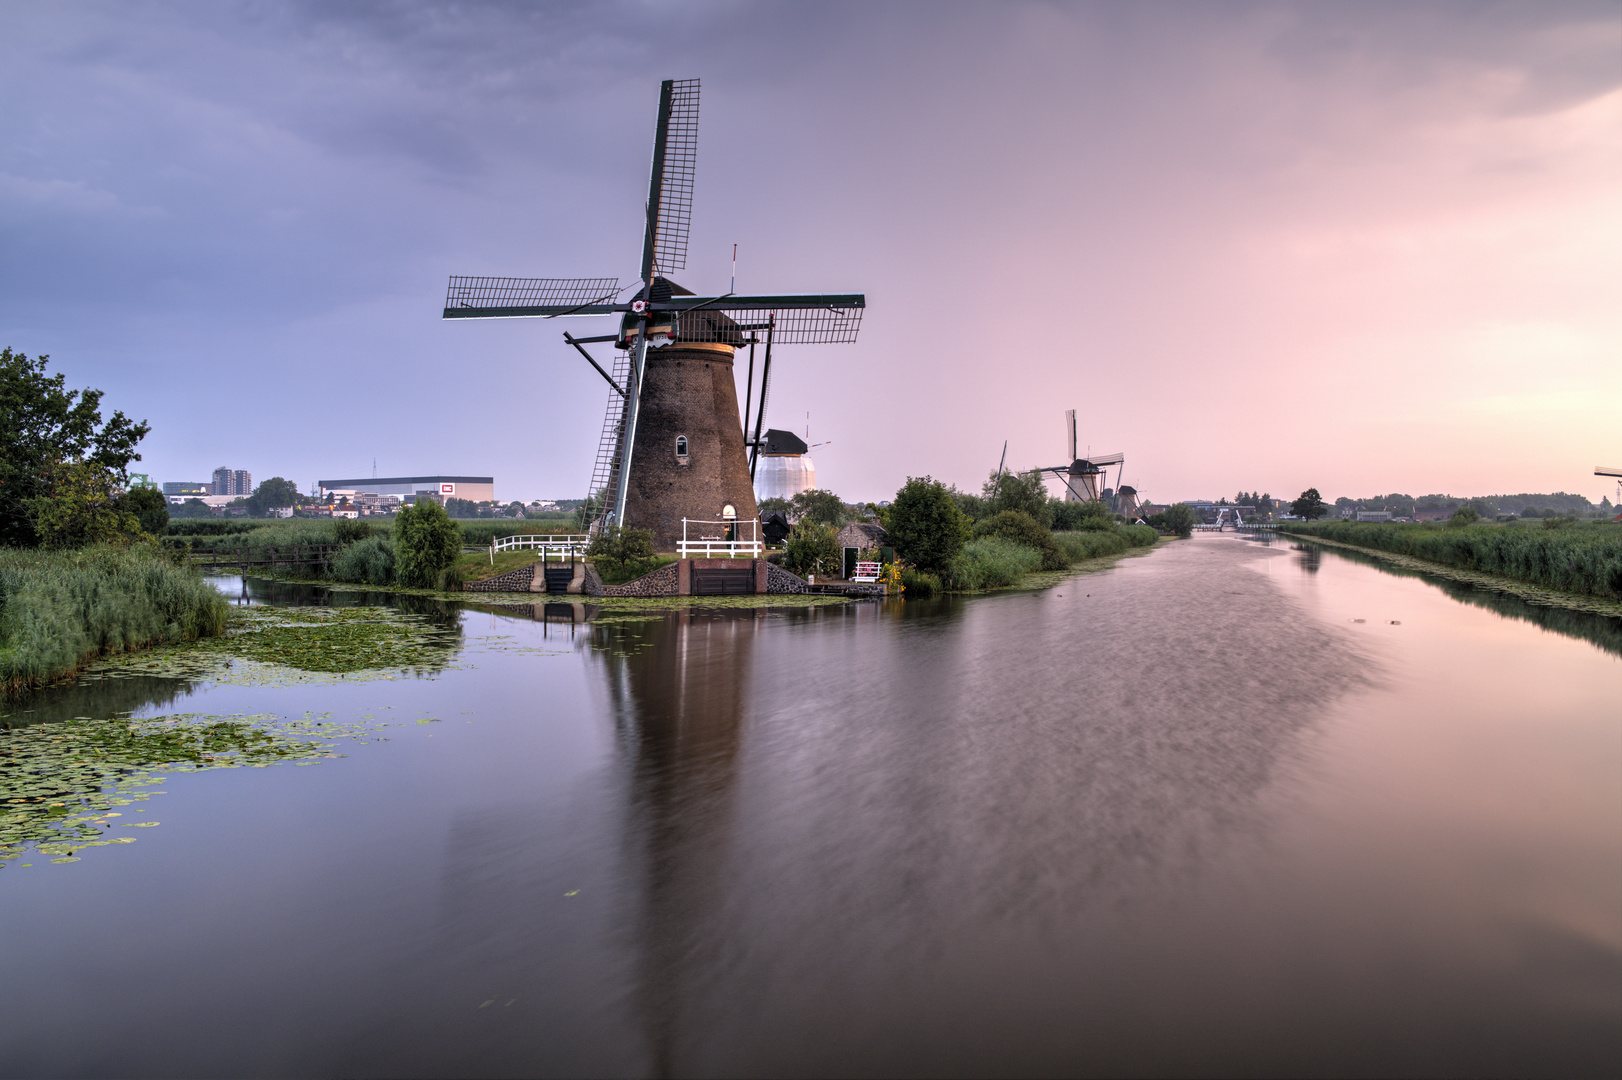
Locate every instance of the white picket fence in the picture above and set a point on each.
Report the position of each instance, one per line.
(563, 545)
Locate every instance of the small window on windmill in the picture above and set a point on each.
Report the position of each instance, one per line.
(729, 514)
(681, 449)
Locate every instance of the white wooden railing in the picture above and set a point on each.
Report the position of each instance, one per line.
(716, 545)
(563, 545)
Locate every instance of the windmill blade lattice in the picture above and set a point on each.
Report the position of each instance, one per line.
(491, 296)
(674, 215)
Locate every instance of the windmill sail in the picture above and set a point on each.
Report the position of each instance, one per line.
(670, 188)
(512, 297)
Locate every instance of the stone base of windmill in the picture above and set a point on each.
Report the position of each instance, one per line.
(704, 577)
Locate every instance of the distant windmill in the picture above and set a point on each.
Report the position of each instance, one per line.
(1603, 470)
(673, 441)
(1081, 477)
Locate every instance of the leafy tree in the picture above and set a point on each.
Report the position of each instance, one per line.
(1177, 518)
(79, 506)
(926, 527)
(513, 509)
(1310, 505)
(461, 508)
(972, 506)
(811, 549)
(192, 508)
(427, 544)
(1020, 527)
(273, 493)
(1018, 491)
(615, 550)
(150, 508)
(822, 507)
(45, 427)
(1464, 515)
(775, 505)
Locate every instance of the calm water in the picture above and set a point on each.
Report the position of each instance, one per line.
(1231, 807)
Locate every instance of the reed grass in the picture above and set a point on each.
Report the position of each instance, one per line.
(992, 562)
(1583, 558)
(60, 610)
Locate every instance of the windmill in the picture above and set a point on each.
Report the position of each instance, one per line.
(673, 440)
(1081, 476)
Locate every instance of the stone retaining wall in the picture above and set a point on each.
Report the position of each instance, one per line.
(779, 580)
(518, 580)
(660, 582)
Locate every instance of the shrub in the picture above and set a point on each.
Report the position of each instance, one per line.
(366, 562)
(992, 562)
(811, 548)
(1464, 515)
(621, 554)
(822, 507)
(1020, 527)
(926, 526)
(426, 543)
(1177, 519)
(917, 585)
(349, 530)
(1018, 491)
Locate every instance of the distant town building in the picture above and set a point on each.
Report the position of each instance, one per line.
(192, 488)
(232, 482)
(1374, 515)
(471, 488)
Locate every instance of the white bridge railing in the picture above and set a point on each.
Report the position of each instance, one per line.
(719, 540)
(563, 545)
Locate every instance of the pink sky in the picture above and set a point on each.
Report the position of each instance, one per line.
(1363, 248)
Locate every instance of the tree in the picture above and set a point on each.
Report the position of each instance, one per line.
(615, 549)
(45, 427)
(822, 507)
(811, 548)
(926, 527)
(1018, 491)
(1177, 518)
(273, 493)
(1310, 505)
(150, 508)
(461, 508)
(775, 505)
(79, 506)
(427, 544)
(193, 508)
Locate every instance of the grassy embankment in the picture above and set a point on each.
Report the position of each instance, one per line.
(60, 610)
(1584, 558)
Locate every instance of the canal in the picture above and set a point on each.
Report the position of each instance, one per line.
(1232, 806)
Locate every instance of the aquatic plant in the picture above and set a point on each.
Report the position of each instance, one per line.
(60, 610)
(1584, 557)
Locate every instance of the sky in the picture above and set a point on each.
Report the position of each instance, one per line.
(1358, 247)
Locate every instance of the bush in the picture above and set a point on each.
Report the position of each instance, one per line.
(150, 508)
(60, 610)
(349, 530)
(1177, 519)
(366, 562)
(621, 554)
(992, 562)
(917, 585)
(426, 544)
(926, 527)
(811, 548)
(1020, 527)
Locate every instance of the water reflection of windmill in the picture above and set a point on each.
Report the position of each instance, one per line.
(1084, 477)
(673, 406)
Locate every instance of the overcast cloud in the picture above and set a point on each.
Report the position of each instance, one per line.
(1359, 247)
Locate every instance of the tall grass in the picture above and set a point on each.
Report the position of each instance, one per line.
(992, 562)
(1094, 543)
(1581, 558)
(59, 610)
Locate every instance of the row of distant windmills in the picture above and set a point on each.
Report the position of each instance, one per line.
(673, 441)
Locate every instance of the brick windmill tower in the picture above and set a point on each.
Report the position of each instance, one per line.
(674, 444)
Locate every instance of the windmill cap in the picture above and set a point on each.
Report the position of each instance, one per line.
(783, 442)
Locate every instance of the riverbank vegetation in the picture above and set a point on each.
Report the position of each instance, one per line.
(60, 610)
(1571, 556)
(950, 541)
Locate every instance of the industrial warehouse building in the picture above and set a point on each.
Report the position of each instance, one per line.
(472, 488)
